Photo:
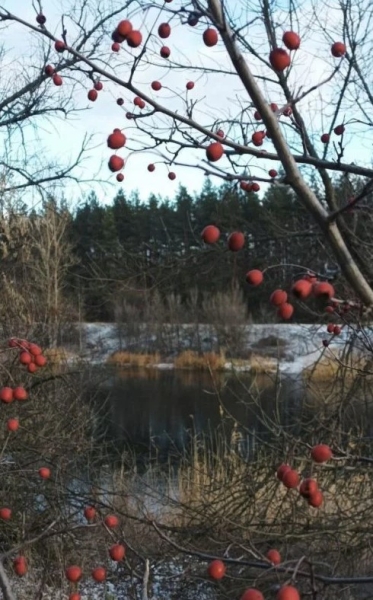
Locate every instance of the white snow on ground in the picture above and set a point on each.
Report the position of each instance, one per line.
(182, 578)
(299, 345)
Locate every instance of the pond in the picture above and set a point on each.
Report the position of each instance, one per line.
(164, 409)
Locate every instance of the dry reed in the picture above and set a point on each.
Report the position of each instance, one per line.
(134, 359)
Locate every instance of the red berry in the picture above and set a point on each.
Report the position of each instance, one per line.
(290, 479)
(190, 86)
(34, 349)
(236, 241)
(214, 151)
(40, 360)
(134, 39)
(291, 40)
(308, 487)
(57, 80)
(89, 513)
(156, 86)
(5, 514)
(302, 289)
(316, 499)
(338, 49)
(99, 574)
(216, 569)
(124, 28)
(285, 311)
(164, 30)
(288, 592)
(257, 138)
(41, 19)
(321, 453)
(254, 277)
(6, 395)
(274, 556)
(20, 566)
(278, 297)
(117, 552)
(73, 573)
(252, 594)
(116, 140)
(60, 46)
(172, 175)
(98, 86)
(25, 358)
(92, 95)
(210, 234)
(111, 521)
(210, 37)
(165, 52)
(339, 130)
(282, 469)
(116, 163)
(279, 59)
(12, 425)
(323, 289)
(44, 472)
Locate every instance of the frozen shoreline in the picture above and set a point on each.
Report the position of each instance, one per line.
(292, 347)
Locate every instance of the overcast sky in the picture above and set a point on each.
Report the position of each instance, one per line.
(219, 96)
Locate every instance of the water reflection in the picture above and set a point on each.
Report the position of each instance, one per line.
(164, 408)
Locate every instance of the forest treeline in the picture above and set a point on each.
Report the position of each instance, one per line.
(126, 259)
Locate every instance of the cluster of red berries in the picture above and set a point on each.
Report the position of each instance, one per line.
(302, 288)
(211, 235)
(115, 141)
(125, 32)
(308, 488)
(117, 553)
(30, 355)
(217, 570)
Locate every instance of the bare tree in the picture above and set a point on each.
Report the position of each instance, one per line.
(174, 126)
(36, 256)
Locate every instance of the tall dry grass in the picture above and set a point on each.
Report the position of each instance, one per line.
(123, 357)
(200, 361)
(335, 364)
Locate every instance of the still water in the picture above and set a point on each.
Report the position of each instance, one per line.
(163, 410)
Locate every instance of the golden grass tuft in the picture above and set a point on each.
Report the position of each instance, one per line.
(338, 366)
(200, 362)
(261, 364)
(195, 361)
(58, 355)
(133, 359)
